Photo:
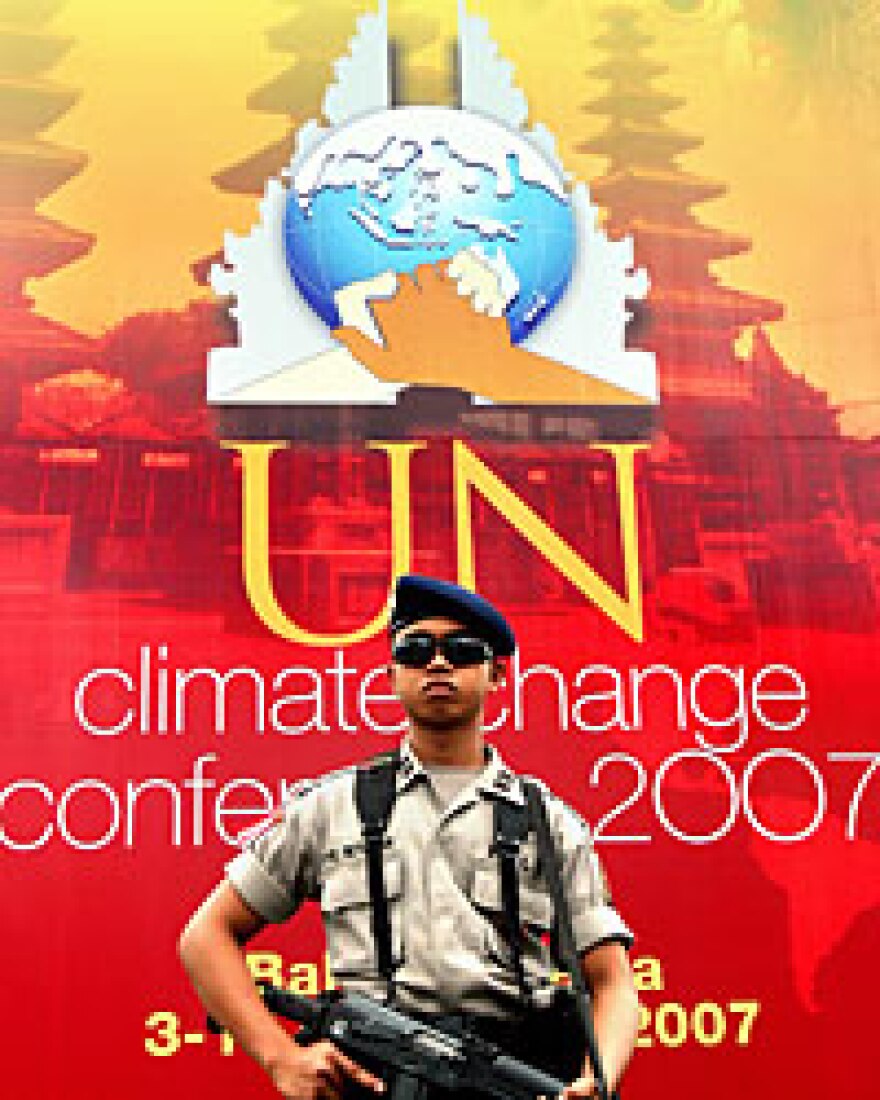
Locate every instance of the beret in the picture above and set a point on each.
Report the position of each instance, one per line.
(417, 597)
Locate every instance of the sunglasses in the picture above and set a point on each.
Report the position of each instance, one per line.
(459, 650)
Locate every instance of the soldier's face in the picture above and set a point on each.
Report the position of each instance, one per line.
(439, 695)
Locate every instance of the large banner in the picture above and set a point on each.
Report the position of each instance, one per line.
(575, 303)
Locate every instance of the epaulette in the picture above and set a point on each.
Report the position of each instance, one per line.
(301, 788)
(381, 760)
(503, 780)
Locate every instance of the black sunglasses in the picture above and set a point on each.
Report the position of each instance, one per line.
(460, 650)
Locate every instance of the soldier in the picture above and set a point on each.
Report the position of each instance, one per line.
(441, 938)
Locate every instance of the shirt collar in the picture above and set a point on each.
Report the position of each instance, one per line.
(411, 770)
(498, 781)
(495, 781)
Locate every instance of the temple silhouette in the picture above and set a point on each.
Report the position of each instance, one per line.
(33, 169)
(750, 494)
(690, 319)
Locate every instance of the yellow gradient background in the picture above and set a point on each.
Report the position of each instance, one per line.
(163, 106)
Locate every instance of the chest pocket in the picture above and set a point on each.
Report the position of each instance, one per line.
(535, 903)
(535, 910)
(345, 907)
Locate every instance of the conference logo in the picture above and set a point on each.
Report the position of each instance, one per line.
(428, 264)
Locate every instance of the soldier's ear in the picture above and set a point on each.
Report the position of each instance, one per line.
(498, 673)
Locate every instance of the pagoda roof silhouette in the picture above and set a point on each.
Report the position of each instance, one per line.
(636, 100)
(31, 51)
(38, 346)
(30, 171)
(285, 92)
(624, 137)
(39, 244)
(249, 176)
(713, 306)
(627, 67)
(650, 184)
(703, 244)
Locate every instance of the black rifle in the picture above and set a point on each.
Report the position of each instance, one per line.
(416, 1053)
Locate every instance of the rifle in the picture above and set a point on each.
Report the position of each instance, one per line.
(416, 1053)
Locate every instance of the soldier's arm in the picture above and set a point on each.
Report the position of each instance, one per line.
(609, 977)
(211, 948)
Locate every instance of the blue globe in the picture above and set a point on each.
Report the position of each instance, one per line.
(418, 185)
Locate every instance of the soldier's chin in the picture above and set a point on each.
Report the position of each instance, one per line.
(443, 714)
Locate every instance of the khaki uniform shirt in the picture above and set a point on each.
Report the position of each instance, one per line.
(442, 884)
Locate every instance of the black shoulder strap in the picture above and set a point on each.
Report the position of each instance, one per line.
(563, 930)
(511, 824)
(375, 790)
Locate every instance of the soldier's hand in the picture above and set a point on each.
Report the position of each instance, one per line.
(581, 1088)
(318, 1072)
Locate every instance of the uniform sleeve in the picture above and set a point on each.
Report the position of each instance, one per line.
(277, 869)
(593, 916)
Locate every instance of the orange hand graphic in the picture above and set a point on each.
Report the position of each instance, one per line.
(434, 337)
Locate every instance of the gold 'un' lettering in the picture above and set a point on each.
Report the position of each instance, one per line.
(255, 541)
(469, 473)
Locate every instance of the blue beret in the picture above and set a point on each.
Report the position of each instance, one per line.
(417, 597)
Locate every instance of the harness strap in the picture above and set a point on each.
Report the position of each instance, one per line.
(511, 825)
(375, 789)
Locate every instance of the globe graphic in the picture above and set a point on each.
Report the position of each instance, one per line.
(417, 185)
